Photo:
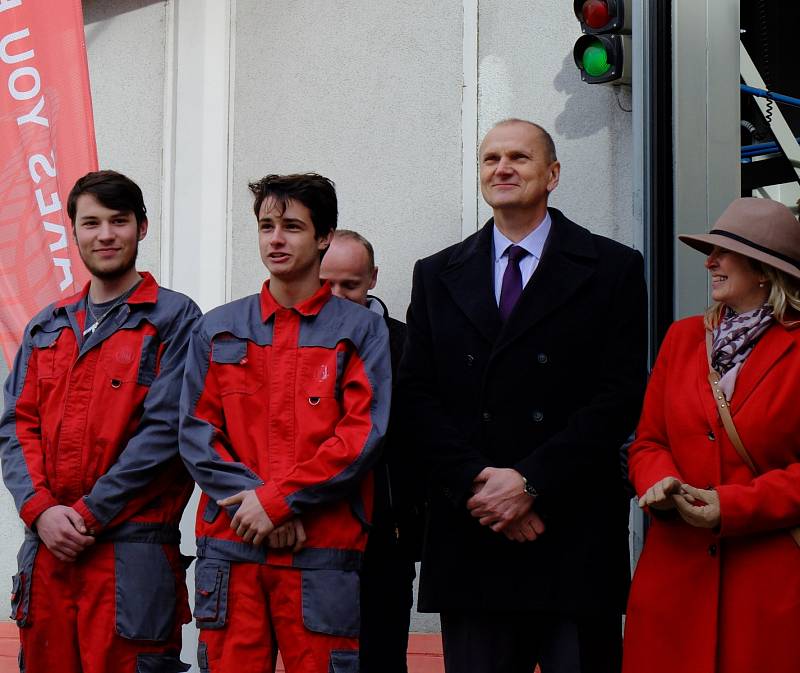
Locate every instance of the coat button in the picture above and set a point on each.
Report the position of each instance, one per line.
(116, 383)
(537, 416)
(711, 436)
(486, 416)
(470, 359)
(712, 550)
(541, 359)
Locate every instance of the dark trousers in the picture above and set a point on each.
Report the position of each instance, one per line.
(491, 642)
(387, 576)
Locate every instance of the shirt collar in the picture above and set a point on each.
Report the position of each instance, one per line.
(146, 292)
(310, 306)
(533, 242)
(376, 306)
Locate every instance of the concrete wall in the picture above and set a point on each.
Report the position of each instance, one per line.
(125, 40)
(368, 94)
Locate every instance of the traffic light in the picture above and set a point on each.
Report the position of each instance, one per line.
(603, 52)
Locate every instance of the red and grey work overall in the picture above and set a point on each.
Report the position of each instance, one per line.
(291, 403)
(91, 422)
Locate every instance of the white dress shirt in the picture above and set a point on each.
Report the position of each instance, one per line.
(533, 243)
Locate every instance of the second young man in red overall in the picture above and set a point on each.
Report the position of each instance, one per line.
(285, 401)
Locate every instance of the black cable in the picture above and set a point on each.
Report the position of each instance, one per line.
(619, 103)
(763, 32)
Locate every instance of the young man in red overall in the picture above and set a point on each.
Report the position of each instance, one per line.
(284, 404)
(88, 440)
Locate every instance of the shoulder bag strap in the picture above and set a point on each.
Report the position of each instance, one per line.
(725, 412)
(727, 420)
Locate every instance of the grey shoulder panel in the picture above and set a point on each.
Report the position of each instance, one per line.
(170, 306)
(339, 320)
(241, 318)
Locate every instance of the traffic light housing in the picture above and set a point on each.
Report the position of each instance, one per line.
(603, 52)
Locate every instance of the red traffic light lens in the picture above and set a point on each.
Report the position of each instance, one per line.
(595, 13)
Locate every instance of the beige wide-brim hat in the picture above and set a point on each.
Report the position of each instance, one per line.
(760, 229)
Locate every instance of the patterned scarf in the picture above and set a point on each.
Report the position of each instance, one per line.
(734, 338)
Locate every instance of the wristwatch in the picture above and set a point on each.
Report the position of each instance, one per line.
(528, 489)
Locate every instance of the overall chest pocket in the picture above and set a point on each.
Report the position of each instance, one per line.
(238, 366)
(51, 361)
(133, 359)
(320, 375)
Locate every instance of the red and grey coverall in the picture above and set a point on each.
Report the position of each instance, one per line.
(92, 423)
(292, 403)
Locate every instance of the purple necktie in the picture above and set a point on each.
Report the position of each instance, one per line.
(512, 281)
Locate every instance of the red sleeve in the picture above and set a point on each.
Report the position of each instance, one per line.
(20, 439)
(769, 502)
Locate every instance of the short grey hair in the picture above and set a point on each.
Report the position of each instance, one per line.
(548, 139)
(351, 235)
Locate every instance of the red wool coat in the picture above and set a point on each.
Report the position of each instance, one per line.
(725, 601)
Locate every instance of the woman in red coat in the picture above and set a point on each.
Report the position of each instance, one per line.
(717, 588)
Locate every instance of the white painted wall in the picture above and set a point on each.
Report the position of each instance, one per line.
(125, 41)
(368, 94)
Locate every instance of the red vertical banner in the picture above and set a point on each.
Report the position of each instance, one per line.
(46, 143)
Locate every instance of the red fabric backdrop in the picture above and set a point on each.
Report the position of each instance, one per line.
(46, 143)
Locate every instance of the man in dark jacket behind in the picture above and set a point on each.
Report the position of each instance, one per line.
(523, 374)
(394, 542)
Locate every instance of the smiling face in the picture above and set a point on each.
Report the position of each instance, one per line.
(735, 280)
(346, 266)
(516, 168)
(287, 241)
(108, 240)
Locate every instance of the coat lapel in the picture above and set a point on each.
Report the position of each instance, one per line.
(469, 279)
(767, 352)
(568, 261)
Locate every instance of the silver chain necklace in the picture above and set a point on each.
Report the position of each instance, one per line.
(99, 321)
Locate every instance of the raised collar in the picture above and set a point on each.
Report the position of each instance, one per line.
(307, 307)
(376, 305)
(145, 293)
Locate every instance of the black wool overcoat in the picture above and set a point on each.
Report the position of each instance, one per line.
(554, 393)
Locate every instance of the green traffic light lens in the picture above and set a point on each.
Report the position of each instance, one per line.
(595, 59)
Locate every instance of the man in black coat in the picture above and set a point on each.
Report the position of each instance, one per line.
(523, 374)
(394, 541)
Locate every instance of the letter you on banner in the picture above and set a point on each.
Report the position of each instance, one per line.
(46, 143)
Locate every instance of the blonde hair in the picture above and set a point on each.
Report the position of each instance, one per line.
(784, 294)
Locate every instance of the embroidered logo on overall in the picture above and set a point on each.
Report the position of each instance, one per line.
(124, 356)
(322, 373)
